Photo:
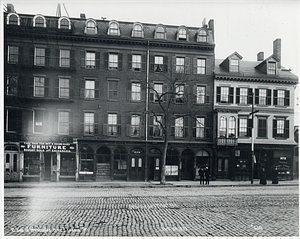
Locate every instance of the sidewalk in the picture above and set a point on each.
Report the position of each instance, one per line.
(149, 184)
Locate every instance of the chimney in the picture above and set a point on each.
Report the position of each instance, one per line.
(82, 15)
(260, 56)
(277, 50)
(10, 8)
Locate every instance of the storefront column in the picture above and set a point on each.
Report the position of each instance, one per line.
(58, 166)
(77, 167)
(21, 166)
(41, 166)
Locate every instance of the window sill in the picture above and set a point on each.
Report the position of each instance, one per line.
(281, 138)
(261, 137)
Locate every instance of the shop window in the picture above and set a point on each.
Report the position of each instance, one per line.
(120, 160)
(87, 160)
(67, 165)
(32, 163)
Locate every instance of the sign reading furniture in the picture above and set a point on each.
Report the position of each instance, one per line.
(48, 147)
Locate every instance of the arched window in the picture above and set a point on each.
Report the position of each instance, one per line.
(182, 34)
(137, 30)
(223, 127)
(13, 19)
(64, 23)
(90, 27)
(39, 21)
(160, 33)
(232, 127)
(113, 29)
(202, 36)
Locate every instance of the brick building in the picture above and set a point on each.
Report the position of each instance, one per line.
(81, 98)
(267, 89)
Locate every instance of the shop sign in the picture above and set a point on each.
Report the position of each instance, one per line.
(171, 170)
(48, 147)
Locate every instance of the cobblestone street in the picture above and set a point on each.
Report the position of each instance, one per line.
(172, 211)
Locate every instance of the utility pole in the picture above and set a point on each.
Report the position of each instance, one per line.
(252, 137)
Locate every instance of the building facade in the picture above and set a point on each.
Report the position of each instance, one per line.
(256, 95)
(82, 98)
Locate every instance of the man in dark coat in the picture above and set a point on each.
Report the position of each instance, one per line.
(206, 175)
(201, 174)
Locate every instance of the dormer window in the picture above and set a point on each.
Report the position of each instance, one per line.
(90, 27)
(114, 29)
(202, 36)
(271, 68)
(160, 33)
(137, 31)
(13, 19)
(182, 34)
(39, 21)
(234, 65)
(64, 23)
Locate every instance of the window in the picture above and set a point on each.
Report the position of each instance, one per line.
(234, 65)
(158, 90)
(225, 94)
(90, 59)
(243, 95)
(135, 125)
(39, 87)
(64, 23)
(113, 29)
(64, 88)
(63, 122)
(155, 127)
(39, 21)
(223, 127)
(281, 97)
(262, 127)
(86, 160)
(180, 64)
(202, 36)
(158, 63)
(281, 128)
(90, 27)
(89, 127)
(112, 124)
(262, 96)
(243, 127)
(112, 90)
(13, 54)
(182, 35)
(137, 31)
(40, 56)
(200, 95)
(232, 127)
(38, 118)
(13, 19)
(12, 85)
(200, 127)
(13, 120)
(136, 62)
(64, 58)
(160, 33)
(89, 89)
(271, 68)
(136, 91)
(179, 127)
(179, 96)
(113, 61)
(201, 66)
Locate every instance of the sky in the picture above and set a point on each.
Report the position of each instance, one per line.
(244, 26)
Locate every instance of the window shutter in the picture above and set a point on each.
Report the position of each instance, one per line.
(142, 131)
(256, 96)
(195, 93)
(249, 127)
(165, 64)
(56, 90)
(46, 128)
(71, 89)
(19, 121)
(70, 123)
(82, 59)
(30, 121)
(218, 94)
(207, 99)
(46, 87)
(194, 123)
(151, 120)
(20, 56)
(286, 129)
(128, 86)
(72, 58)
(119, 124)
(105, 128)
(82, 89)
(269, 92)
(287, 98)
(55, 122)
(143, 93)
(208, 66)
(97, 89)
(32, 55)
(129, 61)
(173, 126)
(47, 56)
(96, 123)
(275, 92)
(186, 126)
(237, 96)
(81, 130)
(31, 86)
(174, 64)
(165, 90)
(57, 55)
(143, 62)
(120, 60)
(231, 92)
(97, 59)
(274, 128)
(250, 96)
(187, 65)
(151, 94)
(207, 128)
(151, 58)
(106, 60)
(194, 65)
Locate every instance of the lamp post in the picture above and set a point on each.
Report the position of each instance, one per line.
(252, 137)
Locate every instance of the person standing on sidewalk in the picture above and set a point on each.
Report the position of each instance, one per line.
(206, 175)
(201, 173)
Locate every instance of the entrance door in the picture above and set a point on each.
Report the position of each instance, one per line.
(136, 168)
(187, 165)
(222, 168)
(47, 158)
(11, 166)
